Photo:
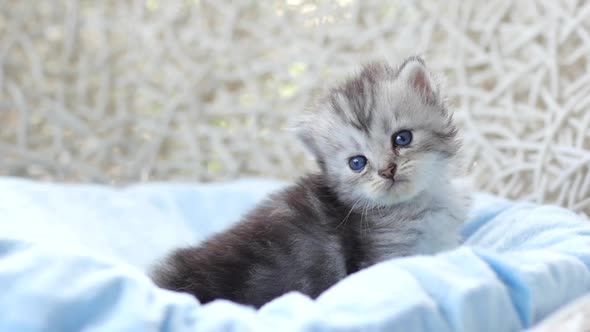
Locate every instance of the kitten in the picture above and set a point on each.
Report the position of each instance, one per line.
(386, 146)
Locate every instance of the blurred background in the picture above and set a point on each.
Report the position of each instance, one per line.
(126, 91)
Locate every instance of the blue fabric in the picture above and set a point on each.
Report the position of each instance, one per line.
(519, 263)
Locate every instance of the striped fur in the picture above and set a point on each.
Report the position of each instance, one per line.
(338, 221)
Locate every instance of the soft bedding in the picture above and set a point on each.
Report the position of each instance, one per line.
(73, 258)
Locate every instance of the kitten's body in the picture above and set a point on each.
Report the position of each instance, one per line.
(328, 225)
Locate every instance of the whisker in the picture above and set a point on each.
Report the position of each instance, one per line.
(362, 221)
(348, 214)
(364, 228)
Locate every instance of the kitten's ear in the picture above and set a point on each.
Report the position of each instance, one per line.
(414, 73)
(302, 128)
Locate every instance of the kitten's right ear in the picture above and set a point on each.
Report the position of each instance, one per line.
(302, 129)
(307, 135)
(413, 71)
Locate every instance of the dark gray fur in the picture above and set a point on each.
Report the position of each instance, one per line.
(331, 224)
(295, 241)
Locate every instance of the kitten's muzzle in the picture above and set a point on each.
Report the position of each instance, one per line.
(389, 172)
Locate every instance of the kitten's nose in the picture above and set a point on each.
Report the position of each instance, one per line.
(388, 172)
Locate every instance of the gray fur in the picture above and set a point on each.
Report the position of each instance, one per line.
(359, 118)
(333, 223)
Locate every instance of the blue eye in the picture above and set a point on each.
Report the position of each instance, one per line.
(357, 163)
(402, 138)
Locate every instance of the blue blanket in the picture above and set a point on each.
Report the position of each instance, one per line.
(73, 258)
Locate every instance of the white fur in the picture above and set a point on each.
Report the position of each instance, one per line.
(421, 211)
(394, 231)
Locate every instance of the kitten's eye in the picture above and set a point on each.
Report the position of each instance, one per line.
(402, 138)
(357, 163)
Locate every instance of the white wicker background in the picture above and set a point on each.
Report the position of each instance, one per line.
(123, 91)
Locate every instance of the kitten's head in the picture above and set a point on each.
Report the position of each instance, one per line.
(383, 136)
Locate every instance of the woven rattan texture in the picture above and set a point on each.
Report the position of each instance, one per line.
(123, 91)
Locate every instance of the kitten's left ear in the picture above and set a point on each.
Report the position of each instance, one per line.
(413, 71)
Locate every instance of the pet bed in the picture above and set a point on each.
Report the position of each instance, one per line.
(73, 257)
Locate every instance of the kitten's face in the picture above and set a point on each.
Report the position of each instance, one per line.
(384, 136)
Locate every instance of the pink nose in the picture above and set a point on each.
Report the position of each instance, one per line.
(389, 172)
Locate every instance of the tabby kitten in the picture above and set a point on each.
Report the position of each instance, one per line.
(387, 147)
